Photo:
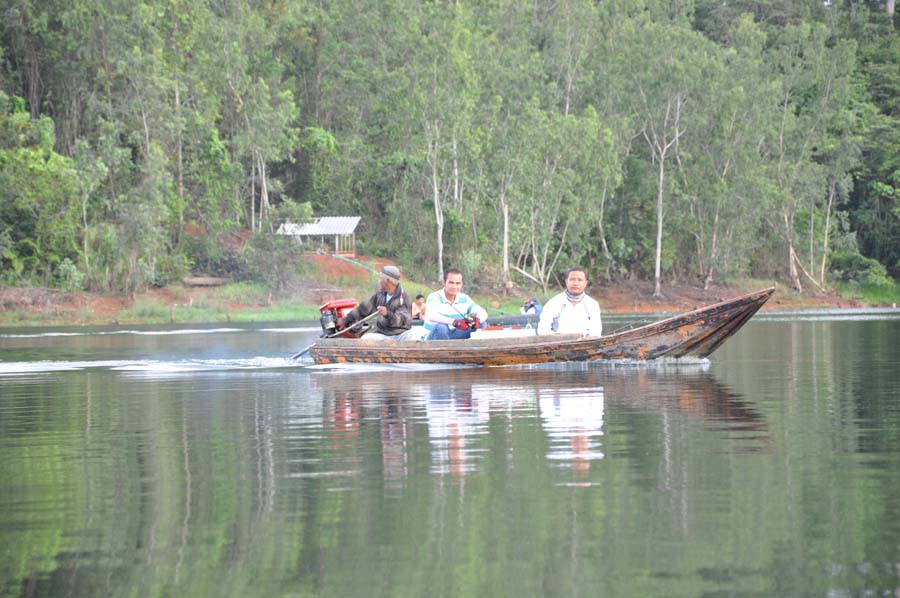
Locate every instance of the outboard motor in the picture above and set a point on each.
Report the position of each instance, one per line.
(333, 310)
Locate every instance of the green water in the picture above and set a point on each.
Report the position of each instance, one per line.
(167, 462)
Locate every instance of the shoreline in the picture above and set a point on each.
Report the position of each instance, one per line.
(35, 307)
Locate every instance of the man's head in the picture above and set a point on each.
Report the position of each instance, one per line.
(453, 282)
(389, 278)
(576, 281)
(420, 298)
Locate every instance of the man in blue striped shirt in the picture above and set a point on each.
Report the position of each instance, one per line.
(450, 314)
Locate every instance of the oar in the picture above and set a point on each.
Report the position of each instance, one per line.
(338, 333)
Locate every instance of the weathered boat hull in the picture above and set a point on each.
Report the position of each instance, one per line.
(692, 334)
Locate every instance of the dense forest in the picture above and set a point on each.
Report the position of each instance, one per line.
(669, 140)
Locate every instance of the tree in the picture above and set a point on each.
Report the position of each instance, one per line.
(720, 180)
(813, 94)
(449, 87)
(566, 160)
(39, 203)
(673, 64)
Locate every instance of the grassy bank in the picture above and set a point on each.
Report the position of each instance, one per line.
(877, 295)
(244, 302)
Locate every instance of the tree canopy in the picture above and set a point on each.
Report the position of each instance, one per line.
(689, 140)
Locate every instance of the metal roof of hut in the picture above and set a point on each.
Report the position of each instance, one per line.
(342, 228)
(326, 225)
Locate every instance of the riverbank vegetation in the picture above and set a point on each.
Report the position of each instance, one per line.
(671, 141)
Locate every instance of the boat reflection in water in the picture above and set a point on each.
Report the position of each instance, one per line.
(470, 414)
(458, 414)
(396, 433)
(572, 419)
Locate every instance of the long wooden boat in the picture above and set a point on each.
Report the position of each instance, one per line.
(695, 333)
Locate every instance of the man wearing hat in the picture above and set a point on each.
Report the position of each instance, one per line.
(392, 304)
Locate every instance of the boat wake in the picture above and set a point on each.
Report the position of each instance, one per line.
(178, 332)
(148, 367)
(664, 363)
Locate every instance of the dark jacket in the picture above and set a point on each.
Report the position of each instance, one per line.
(398, 319)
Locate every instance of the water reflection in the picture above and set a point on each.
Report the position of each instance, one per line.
(455, 419)
(309, 467)
(396, 435)
(572, 420)
(466, 411)
(192, 469)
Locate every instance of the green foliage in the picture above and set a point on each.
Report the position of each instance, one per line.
(875, 294)
(38, 210)
(456, 130)
(171, 267)
(70, 278)
(271, 260)
(211, 255)
(291, 211)
(471, 265)
(856, 268)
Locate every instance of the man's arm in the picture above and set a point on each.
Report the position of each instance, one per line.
(550, 311)
(433, 308)
(360, 311)
(400, 316)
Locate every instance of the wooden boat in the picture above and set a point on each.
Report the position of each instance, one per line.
(695, 333)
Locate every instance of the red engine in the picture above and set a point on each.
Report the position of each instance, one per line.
(333, 310)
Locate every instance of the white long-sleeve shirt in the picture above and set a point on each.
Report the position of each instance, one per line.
(563, 317)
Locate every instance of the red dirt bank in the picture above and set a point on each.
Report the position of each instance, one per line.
(627, 297)
(335, 276)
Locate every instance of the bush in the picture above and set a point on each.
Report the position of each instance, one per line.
(171, 268)
(271, 260)
(70, 277)
(857, 268)
(213, 257)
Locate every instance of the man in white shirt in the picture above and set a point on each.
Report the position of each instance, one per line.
(450, 314)
(572, 311)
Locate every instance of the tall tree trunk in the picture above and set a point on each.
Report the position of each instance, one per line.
(438, 216)
(180, 158)
(659, 222)
(84, 237)
(34, 82)
(600, 226)
(792, 255)
(831, 193)
(253, 197)
(812, 235)
(457, 185)
(263, 193)
(713, 251)
(146, 131)
(507, 279)
(889, 6)
(660, 144)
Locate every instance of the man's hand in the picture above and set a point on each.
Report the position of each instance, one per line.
(461, 324)
(382, 311)
(473, 322)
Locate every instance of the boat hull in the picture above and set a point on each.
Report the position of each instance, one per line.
(695, 333)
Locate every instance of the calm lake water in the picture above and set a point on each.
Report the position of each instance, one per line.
(202, 461)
